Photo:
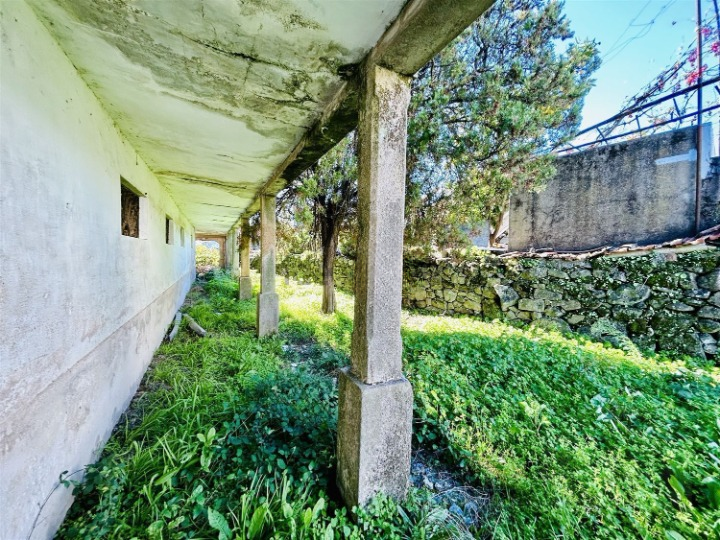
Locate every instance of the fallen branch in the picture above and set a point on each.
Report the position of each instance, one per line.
(194, 326)
(176, 326)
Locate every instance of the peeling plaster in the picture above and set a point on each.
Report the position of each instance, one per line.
(215, 93)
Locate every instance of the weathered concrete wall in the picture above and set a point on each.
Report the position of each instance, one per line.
(641, 191)
(662, 301)
(82, 306)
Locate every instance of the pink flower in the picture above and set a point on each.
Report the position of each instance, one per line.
(715, 48)
(705, 31)
(694, 76)
(692, 57)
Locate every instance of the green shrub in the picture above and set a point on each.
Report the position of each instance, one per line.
(206, 256)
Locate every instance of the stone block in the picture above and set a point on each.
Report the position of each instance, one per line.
(559, 274)
(710, 281)
(555, 312)
(570, 305)
(709, 312)
(545, 294)
(696, 294)
(245, 288)
(268, 314)
(374, 436)
(708, 326)
(581, 273)
(709, 344)
(537, 271)
(527, 304)
(680, 306)
(628, 295)
(419, 293)
(507, 295)
(450, 295)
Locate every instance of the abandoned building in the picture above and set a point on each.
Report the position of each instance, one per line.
(129, 130)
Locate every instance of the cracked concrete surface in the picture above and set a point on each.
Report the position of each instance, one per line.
(215, 95)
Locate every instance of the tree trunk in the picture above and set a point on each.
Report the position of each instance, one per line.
(495, 229)
(329, 240)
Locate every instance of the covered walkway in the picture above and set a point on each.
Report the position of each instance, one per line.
(130, 129)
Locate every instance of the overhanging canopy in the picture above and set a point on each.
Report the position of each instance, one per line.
(225, 98)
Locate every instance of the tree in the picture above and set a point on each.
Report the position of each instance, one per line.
(486, 113)
(324, 199)
(483, 117)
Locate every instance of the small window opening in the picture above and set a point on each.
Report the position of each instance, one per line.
(169, 231)
(182, 236)
(129, 211)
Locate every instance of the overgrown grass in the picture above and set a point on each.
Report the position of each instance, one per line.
(235, 437)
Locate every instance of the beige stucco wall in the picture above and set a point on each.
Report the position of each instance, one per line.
(82, 307)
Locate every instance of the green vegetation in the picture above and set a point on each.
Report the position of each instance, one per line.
(206, 256)
(234, 437)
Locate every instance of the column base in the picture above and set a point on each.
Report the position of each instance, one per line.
(245, 288)
(374, 436)
(268, 314)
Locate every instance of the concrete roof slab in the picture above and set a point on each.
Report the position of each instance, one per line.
(225, 99)
(215, 90)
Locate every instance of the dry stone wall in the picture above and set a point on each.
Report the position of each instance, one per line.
(661, 301)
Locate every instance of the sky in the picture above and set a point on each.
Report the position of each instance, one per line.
(637, 40)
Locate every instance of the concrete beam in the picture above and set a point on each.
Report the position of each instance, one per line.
(244, 281)
(375, 403)
(423, 29)
(268, 304)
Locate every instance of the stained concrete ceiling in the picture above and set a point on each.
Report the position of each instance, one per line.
(215, 94)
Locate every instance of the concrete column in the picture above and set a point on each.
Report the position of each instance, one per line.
(375, 405)
(231, 255)
(244, 281)
(221, 240)
(268, 304)
(235, 267)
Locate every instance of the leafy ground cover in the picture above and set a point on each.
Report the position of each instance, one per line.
(230, 436)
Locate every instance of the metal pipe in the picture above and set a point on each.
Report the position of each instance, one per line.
(653, 126)
(698, 163)
(648, 105)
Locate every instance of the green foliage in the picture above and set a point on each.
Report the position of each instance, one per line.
(233, 437)
(485, 113)
(575, 440)
(227, 440)
(323, 201)
(206, 256)
(572, 438)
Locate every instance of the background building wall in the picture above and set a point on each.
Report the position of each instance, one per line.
(641, 192)
(82, 307)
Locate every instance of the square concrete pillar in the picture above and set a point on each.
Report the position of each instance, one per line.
(244, 281)
(229, 250)
(374, 439)
(268, 303)
(235, 266)
(375, 418)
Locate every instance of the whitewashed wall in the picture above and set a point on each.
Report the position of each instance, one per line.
(82, 308)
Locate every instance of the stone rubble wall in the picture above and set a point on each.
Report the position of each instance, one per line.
(661, 301)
